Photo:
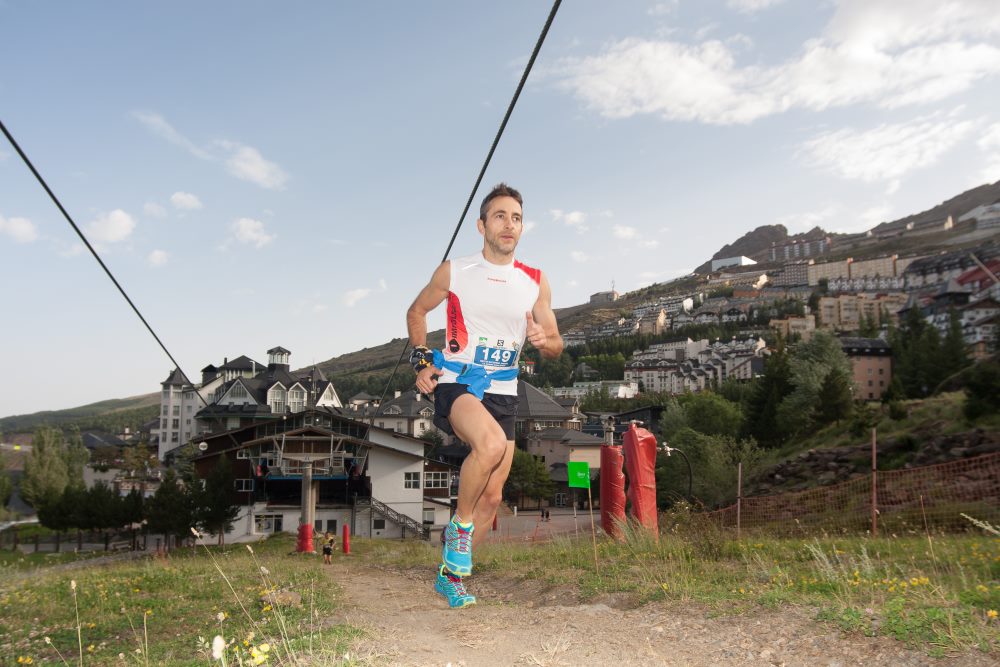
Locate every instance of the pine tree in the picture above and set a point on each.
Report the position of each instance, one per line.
(45, 471)
(761, 416)
(171, 511)
(215, 506)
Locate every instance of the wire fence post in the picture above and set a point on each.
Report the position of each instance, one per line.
(739, 497)
(874, 484)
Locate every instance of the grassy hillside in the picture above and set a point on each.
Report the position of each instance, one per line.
(128, 411)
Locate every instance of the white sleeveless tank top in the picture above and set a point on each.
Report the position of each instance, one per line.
(486, 317)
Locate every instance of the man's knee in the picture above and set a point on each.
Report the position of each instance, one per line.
(491, 499)
(491, 450)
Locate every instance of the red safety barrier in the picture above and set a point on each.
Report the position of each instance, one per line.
(347, 539)
(305, 542)
(612, 491)
(640, 464)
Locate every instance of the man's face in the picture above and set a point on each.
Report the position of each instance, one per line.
(502, 227)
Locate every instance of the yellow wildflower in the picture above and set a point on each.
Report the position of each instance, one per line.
(991, 613)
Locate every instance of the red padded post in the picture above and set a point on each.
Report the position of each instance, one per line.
(612, 491)
(639, 449)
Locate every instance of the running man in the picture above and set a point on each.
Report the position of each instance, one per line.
(495, 305)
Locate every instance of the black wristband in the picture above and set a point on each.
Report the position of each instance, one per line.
(421, 357)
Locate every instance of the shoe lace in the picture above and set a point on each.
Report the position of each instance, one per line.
(456, 585)
(460, 540)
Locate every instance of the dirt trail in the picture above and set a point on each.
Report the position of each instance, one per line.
(518, 624)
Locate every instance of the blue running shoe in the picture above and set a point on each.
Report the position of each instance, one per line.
(457, 551)
(452, 588)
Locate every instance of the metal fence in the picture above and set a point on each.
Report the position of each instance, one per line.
(896, 501)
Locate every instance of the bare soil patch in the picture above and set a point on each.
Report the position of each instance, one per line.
(530, 623)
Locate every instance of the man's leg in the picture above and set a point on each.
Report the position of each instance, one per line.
(489, 501)
(490, 451)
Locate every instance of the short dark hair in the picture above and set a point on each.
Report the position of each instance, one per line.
(500, 190)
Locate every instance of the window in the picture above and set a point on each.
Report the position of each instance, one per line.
(423, 427)
(238, 391)
(296, 400)
(378, 524)
(173, 437)
(188, 421)
(175, 423)
(870, 372)
(242, 453)
(436, 480)
(870, 383)
(243, 484)
(164, 411)
(177, 410)
(163, 423)
(267, 523)
(881, 371)
(411, 480)
(429, 517)
(331, 526)
(232, 422)
(189, 407)
(318, 525)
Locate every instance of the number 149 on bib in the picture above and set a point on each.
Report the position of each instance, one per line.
(495, 356)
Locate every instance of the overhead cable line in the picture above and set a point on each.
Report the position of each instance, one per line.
(479, 180)
(93, 252)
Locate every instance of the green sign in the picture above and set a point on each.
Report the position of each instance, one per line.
(578, 473)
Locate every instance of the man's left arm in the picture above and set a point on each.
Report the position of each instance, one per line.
(543, 330)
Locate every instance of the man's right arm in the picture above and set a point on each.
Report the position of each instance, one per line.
(430, 297)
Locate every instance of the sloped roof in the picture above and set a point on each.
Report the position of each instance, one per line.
(533, 403)
(241, 363)
(176, 379)
(567, 436)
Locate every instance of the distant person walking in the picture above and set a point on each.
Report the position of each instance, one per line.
(495, 305)
(328, 544)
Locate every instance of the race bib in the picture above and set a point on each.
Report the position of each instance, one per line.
(495, 356)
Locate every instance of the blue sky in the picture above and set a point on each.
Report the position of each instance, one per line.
(261, 174)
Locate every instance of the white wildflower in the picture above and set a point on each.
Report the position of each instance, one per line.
(218, 647)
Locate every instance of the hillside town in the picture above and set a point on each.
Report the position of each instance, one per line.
(299, 451)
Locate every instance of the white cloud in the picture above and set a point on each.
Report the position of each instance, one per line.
(989, 143)
(663, 8)
(185, 201)
(651, 243)
(21, 230)
(579, 256)
(248, 230)
(748, 6)
(888, 151)
(246, 163)
(72, 251)
(624, 232)
(154, 210)
(158, 258)
(880, 52)
(573, 219)
(159, 126)
(110, 227)
(528, 226)
(319, 308)
(352, 297)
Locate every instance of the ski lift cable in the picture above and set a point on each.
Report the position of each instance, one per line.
(479, 180)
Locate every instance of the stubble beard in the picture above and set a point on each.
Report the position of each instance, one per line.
(496, 248)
